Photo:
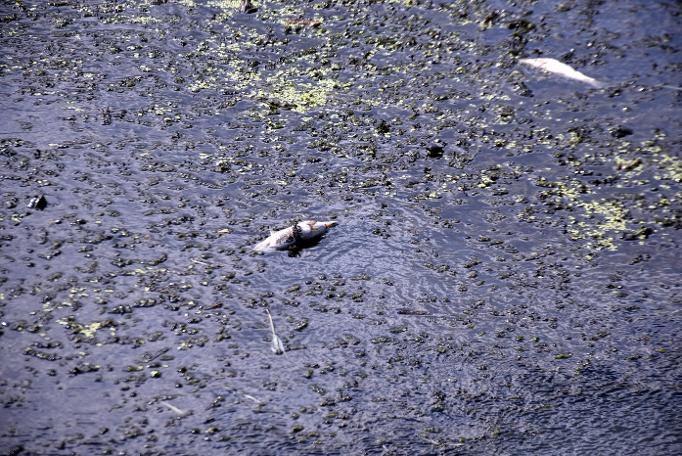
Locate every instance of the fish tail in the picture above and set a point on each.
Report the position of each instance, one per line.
(263, 246)
(597, 84)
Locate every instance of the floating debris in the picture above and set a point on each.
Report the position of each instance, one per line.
(294, 236)
(621, 132)
(277, 345)
(38, 202)
(254, 399)
(666, 86)
(561, 69)
(173, 408)
(436, 150)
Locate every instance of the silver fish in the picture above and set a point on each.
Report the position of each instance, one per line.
(294, 235)
(555, 67)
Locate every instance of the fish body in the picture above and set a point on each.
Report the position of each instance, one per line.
(293, 236)
(555, 67)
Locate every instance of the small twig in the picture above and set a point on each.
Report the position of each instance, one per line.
(427, 315)
(173, 408)
(254, 399)
(148, 357)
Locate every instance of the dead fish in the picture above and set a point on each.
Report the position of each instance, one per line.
(555, 67)
(294, 236)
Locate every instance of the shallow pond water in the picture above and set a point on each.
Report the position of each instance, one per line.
(504, 278)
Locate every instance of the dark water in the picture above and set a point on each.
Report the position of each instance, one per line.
(504, 278)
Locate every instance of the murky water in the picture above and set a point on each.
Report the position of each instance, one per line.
(504, 278)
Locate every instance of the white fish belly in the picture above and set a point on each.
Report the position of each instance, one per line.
(279, 240)
(561, 69)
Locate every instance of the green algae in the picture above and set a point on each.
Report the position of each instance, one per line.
(670, 168)
(87, 330)
(600, 224)
(301, 96)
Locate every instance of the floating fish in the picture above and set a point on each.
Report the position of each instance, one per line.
(294, 236)
(555, 67)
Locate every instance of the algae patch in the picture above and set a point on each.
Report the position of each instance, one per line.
(87, 330)
(671, 168)
(602, 220)
(300, 97)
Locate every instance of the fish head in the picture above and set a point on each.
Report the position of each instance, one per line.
(310, 228)
(322, 227)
